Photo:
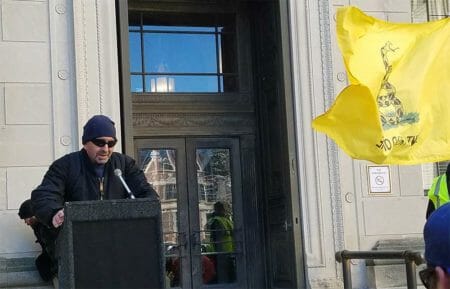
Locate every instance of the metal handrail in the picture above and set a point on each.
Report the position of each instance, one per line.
(411, 258)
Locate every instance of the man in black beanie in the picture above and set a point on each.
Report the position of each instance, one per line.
(88, 174)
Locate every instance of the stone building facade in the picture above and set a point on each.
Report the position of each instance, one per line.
(60, 64)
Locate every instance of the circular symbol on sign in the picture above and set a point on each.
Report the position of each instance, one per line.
(379, 180)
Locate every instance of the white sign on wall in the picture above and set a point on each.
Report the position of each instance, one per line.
(379, 179)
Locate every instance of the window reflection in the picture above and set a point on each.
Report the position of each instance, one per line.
(182, 53)
(159, 166)
(171, 54)
(167, 83)
(429, 10)
(215, 206)
(216, 215)
(135, 46)
(438, 9)
(160, 170)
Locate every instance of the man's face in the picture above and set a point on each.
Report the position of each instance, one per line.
(98, 150)
(30, 221)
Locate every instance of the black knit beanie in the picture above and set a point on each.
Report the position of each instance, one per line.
(98, 126)
(26, 210)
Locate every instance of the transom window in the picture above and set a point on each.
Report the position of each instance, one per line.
(187, 54)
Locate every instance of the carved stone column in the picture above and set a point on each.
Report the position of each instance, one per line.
(96, 60)
(318, 156)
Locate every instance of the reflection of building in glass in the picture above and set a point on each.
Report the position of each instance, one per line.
(213, 187)
(213, 182)
(160, 170)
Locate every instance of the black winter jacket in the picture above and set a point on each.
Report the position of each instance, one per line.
(72, 178)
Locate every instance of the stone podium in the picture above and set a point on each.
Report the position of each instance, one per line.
(111, 244)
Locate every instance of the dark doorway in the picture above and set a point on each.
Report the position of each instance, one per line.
(202, 88)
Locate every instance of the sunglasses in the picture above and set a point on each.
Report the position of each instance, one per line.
(101, 142)
(428, 277)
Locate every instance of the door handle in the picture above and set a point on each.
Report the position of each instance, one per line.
(287, 225)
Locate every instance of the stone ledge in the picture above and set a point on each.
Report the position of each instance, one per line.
(29, 287)
(20, 272)
(16, 264)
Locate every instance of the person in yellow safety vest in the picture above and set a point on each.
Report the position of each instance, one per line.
(438, 193)
(220, 226)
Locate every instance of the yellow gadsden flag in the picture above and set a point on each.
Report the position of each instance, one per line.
(396, 109)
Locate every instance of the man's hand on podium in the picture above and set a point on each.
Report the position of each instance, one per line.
(58, 218)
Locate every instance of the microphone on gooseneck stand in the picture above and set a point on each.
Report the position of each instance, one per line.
(118, 173)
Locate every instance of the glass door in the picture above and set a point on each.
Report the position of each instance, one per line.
(164, 164)
(214, 187)
(198, 182)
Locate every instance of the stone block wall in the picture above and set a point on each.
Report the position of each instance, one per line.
(26, 120)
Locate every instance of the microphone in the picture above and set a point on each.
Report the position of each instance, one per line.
(118, 173)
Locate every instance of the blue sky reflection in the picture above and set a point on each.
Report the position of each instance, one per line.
(175, 59)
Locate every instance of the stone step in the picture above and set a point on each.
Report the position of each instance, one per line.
(419, 286)
(20, 272)
(29, 287)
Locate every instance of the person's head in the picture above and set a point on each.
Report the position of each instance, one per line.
(436, 235)
(219, 208)
(26, 213)
(99, 138)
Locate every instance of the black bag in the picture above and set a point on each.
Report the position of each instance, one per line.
(44, 265)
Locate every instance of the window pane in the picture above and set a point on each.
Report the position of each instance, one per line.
(135, 52)
(216, 214)
(182, 53)
(438, 9)
(136, 83)
(190, 52)
(160, 169)
(175, 83)
(179, 28)
(159, 166)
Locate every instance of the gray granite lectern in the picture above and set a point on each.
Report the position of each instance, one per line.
(111, 244)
